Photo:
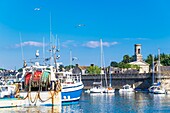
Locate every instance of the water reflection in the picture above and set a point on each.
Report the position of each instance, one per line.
(106, 103)
(75, 108)
(41, 109)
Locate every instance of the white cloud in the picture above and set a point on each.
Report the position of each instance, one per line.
(142, 38)
(68, 43)
(136, 38)
(95, 44)
(127, 39)
(30, 43)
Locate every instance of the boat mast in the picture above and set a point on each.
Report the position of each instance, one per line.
(159, 63)
(153, 70)
(110, 77)
(70, 60)
(101, 58)
(50, 42)
(44, 50)
(104, 66)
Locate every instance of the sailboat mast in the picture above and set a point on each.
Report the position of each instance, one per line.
(70, 59)
(104, 66)
(101, 57)
(153, 70)
(110, 77)
(159, 63)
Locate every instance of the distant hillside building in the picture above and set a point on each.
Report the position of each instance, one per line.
(144, 67)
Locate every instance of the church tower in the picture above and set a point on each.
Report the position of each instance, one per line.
(138, 55)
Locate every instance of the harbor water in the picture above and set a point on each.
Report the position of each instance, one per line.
(134, 102)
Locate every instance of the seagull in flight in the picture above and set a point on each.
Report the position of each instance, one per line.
(37, 9)
(80, 25)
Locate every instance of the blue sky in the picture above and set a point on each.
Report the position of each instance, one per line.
(119, 23)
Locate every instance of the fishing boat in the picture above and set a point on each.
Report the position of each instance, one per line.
(71, 85)
(33, 92)
(126, 88)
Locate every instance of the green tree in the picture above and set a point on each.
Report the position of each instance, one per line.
(149, 59)
(114, 64)
(135, 67)
(126, 59)
(164, 59)
(69, 67)
(121, 65)
(93, 70)
(61, 67)
(132, 58)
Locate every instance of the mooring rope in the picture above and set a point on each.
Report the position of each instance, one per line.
(53, 92)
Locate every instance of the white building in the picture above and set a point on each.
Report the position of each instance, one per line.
(144, 67)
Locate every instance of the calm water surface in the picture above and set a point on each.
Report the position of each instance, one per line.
(107, 103)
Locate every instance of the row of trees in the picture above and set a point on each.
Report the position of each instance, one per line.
(125, 63)
(164, 59)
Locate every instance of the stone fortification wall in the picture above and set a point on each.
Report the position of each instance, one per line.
(140, 81)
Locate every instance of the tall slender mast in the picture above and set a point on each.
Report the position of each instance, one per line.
(153, 78)
(50, 41)
(70, 59)
(101, 51)
(104, 65)
(159, 63)
(44, 49)
(110, 77)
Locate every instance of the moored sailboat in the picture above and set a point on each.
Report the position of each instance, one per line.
(98, 86)
(110, 89)
(156, 88)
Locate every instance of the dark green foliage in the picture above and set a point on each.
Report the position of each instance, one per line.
(93, 70)
(114, 64)
(69, 67)
(164, 59)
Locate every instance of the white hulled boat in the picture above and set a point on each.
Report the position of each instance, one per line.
(126, 88)
(71, 85)
(156, 88)
(97, 88)
(109, 89)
